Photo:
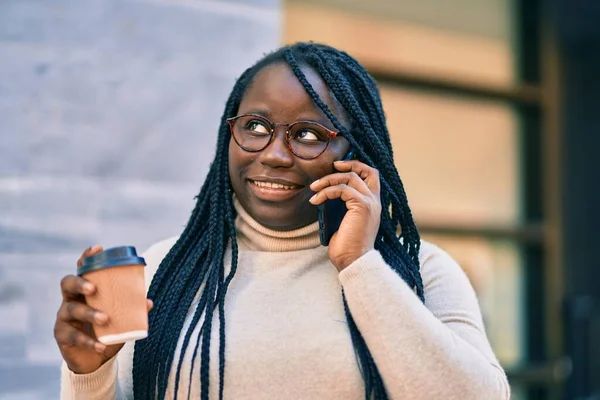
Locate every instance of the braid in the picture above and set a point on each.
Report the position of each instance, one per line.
(194, 262)
(193, 274)
(357, 93)
(221, 297)
(369, 92)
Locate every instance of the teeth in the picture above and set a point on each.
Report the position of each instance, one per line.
(273, 185)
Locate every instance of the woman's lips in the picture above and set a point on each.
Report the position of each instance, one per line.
(274, 191)
(275, 185)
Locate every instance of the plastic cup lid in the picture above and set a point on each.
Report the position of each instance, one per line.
(117, 256)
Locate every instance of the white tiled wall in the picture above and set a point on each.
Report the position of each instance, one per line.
(108, 120)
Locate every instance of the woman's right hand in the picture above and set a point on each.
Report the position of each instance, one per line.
(73, 328)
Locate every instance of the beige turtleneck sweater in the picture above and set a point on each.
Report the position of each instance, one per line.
(287, 336)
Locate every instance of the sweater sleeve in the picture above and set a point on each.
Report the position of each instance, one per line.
(106, 383)
(113, 380)
(436, 350)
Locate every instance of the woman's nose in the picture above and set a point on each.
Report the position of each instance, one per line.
(277, 154)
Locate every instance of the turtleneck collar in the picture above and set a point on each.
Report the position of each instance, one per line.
(254, 236)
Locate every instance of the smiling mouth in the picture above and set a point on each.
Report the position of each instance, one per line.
(273, 185)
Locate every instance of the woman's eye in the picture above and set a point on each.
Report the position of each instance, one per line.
(308, 136)
(257, 127)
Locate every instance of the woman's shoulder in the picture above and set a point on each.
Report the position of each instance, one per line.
(429, 250)
(159, 249)
(154, 256)
(439, 268)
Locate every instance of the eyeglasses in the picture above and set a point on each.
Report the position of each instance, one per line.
(305, 139)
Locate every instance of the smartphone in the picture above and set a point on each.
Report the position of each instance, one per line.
(331, 213)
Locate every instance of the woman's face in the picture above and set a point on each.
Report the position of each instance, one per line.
(276, 94)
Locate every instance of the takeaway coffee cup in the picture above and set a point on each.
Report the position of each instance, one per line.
(118, 275)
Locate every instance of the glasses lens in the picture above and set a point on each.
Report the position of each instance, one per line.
(307, 139)
(251, 132)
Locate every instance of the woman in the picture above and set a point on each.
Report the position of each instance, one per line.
(247, 304)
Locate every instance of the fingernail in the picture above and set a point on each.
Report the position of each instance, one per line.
(99, 347)
(312, 198)
(100, 318)
(88, 287)
(95, 247)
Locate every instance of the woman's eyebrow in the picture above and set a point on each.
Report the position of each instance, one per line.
(321, 121)
(259, 111)
(316, 119)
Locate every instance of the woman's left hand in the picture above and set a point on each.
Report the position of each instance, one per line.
(357, 184)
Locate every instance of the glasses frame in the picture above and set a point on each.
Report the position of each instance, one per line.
(272, 126)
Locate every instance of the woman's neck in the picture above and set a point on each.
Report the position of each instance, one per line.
(254, 236)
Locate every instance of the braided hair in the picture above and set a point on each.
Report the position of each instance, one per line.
(194, 269)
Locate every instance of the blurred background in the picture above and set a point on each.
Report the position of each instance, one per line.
(108, 118)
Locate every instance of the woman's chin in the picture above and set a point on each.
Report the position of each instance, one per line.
(279, 219)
